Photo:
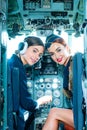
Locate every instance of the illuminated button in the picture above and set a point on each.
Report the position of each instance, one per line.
(55, 80)
(29, 84)
(54, 85)
(41, 80)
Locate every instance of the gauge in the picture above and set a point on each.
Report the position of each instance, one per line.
(41, 86)
(40, 93)
(56, 102)
(56, 93)
(48, 86)
(48, 92)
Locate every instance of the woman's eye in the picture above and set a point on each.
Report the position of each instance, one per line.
(58, 50)
(51, 54)
(35, 51)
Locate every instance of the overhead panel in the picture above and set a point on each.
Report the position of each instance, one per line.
(34, 15)
(47, 14)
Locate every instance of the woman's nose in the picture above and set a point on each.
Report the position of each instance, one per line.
(56, 55)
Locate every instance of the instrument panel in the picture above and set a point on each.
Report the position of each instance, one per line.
(47, 80)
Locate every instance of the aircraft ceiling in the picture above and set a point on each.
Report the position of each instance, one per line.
(25, 16)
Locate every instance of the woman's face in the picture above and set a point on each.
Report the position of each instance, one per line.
(59, 53)
(32, 54)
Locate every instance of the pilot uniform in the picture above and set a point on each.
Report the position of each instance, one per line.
(26, 103)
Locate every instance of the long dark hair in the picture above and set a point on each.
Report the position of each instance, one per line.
(32, 41)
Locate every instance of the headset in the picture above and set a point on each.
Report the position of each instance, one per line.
(22, 47)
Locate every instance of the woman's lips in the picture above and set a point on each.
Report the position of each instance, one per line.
(59, 59)
(33, 60)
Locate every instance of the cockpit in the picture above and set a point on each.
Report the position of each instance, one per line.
(22, 18)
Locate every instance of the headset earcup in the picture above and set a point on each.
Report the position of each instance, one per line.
(23, 47)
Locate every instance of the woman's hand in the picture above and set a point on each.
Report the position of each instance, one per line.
(44, 100)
